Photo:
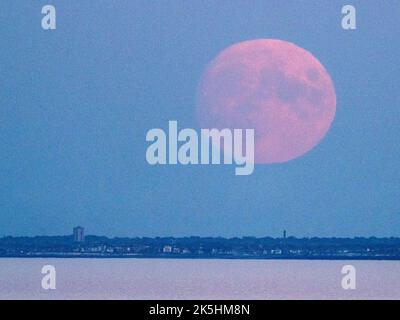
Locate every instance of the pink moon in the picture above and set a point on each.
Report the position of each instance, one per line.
(274, 87)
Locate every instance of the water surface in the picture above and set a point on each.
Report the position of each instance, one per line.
(197, 279)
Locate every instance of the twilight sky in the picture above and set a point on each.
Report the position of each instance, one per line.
(76, 104)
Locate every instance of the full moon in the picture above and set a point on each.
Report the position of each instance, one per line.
(274, 87)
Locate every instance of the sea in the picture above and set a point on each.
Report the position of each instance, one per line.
(152, 279)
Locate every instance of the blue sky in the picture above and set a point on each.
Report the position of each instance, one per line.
(76, 104)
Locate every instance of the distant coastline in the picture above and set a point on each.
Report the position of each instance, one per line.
(80, 246)
(193, 257)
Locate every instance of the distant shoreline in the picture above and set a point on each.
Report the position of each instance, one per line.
(197, 257)
(246, 248)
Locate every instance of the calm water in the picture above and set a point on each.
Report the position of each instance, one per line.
(197, 279)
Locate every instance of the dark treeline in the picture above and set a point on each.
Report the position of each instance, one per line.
(246, 246)
(292, 241)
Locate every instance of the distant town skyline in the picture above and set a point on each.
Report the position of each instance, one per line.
(77, 245)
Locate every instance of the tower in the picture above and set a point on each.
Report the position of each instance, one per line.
(79, 234)
(284, 245)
